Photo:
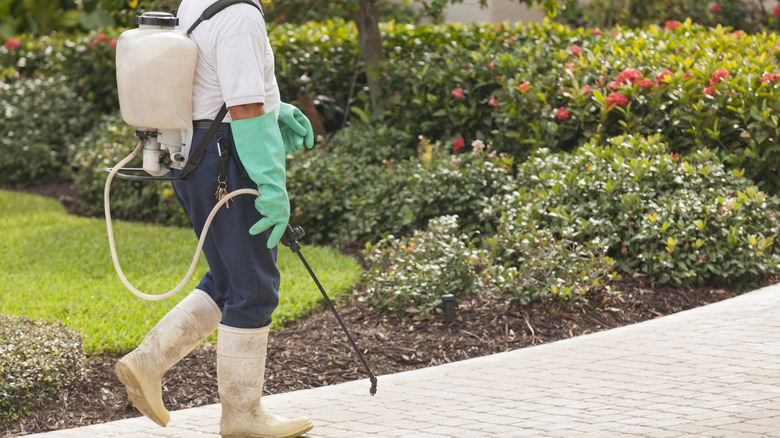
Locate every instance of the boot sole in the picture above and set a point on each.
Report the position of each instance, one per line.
(136, 396)
(300, 432)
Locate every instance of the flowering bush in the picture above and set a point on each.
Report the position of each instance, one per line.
(41, 115)
(410, 275)
(37, 359)
(747, 15)
(662, 216)
(522, 87)
(88, 61)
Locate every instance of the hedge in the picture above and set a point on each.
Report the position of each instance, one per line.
(520, 87)
(37, 360)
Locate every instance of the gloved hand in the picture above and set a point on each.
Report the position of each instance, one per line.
(295, 128)
(261, 150)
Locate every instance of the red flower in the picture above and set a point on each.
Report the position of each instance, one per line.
(596, 32)
(687, 75)
(458, 144)
(491, 64)
(493, 101)
(661, 78)
(585, 89)
(624, 250)
(718, 76)
(612, 85)
(715, 8)
(672, 25)
(524, 87)
(646, 83)
(575, 50)
(112, 43)
(703, 257)
(616, 98)
(771, 77)
(562, 113)
(709, 91)
(12, 43)
(738, 33)
(101, 37)
(776, 11)
(628, 75)
(458, 92)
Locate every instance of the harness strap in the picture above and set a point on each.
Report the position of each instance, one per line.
(218, 6)
(197, 154)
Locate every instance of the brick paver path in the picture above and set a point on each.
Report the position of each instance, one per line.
(708, 372)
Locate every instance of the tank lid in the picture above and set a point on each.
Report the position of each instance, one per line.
(157, 19)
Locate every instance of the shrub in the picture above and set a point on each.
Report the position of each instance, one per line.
(41, 115)
(346, 194)
(527, 87)
(662, 216)
(303, 11)
(740, 14)
(87, 61)
(37, 359)
(409, 275)
(522, 87)
(103, 147)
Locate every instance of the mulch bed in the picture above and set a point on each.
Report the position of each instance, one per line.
(315, 352)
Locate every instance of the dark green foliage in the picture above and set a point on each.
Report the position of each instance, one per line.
(364, 187)
(662, 216)
(41, 115)
(37, 360)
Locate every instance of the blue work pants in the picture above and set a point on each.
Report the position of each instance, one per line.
(243, 278)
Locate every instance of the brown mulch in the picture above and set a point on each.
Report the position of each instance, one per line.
(315, 352)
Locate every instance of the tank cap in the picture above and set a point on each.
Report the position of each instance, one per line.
(157, 19)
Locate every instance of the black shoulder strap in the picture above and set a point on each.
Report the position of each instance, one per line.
(218, 6)
(197, 154)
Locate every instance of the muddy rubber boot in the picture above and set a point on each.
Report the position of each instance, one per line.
(240, 374)
(178, 332)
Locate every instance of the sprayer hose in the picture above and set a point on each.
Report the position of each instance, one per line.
(202, 239)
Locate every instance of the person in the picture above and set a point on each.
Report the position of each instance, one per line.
(239, 293)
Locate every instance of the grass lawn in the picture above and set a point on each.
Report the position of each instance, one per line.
(58, 267)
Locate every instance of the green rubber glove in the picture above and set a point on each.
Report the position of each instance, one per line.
(295, 128)
(261, 150)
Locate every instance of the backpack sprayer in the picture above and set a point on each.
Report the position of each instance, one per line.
(155, 66)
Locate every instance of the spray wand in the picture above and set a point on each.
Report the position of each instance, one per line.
(290, 240)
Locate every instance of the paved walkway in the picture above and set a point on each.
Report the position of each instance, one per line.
(708, 372)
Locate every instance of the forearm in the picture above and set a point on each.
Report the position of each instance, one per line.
(247, 111)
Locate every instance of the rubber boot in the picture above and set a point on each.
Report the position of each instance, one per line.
(181, 330)
(240, 374)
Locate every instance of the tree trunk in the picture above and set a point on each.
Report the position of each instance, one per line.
(366, 20)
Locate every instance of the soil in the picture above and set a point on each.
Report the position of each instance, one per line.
(315, 352)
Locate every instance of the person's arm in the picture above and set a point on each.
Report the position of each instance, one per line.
(247, 111)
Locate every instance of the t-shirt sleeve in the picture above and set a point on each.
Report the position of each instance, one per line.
(240, 56)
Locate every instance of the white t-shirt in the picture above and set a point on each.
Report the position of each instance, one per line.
(235, 60)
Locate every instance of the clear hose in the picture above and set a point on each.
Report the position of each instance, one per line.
(202, 239)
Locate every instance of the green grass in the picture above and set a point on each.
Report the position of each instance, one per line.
(58, 267)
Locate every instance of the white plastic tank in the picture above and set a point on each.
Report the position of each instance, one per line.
(155, 67)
